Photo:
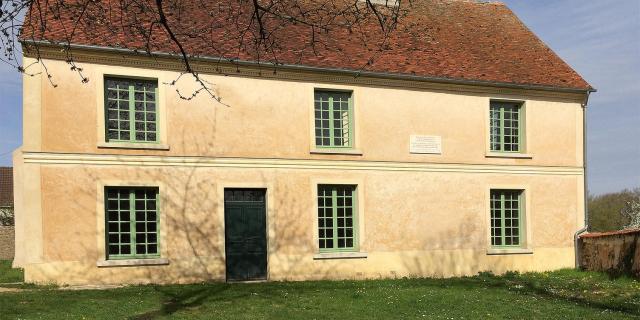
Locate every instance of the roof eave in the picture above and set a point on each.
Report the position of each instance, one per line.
(355, 73)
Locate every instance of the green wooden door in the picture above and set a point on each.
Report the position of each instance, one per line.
(245, 234)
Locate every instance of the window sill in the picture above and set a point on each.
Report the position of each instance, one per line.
(496, 251)
(340, 255)
(132, 262)
(139, 146)
(508, 155)
(337, 151)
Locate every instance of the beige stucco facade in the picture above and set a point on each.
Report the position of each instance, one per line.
(418, 214)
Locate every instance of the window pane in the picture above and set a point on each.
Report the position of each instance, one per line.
(113, 250)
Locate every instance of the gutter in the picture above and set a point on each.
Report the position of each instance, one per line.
(354, 73)
(584, 229)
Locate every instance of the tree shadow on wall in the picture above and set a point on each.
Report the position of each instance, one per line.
(193, 230)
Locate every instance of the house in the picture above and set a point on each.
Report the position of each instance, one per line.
(6, 195)
(457, 152)
(7, 244)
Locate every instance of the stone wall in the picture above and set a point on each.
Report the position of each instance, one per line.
(7, 242)
(617, 253)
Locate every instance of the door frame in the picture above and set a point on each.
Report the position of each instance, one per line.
(269, 210)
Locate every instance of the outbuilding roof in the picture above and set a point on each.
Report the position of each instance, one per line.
(445, 39)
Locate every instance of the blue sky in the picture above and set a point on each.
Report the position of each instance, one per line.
(599, 38)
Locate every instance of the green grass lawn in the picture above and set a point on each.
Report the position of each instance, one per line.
(8, 275)
(565, 294)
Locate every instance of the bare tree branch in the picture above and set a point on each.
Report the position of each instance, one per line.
(263, 31)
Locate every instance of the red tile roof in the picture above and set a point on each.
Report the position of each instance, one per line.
(6, 187)
(450, 39)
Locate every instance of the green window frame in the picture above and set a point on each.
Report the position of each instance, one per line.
(131, 110)
(507, 218)
(132, 222)
(506, 126)
(337, 218)
(333, 112)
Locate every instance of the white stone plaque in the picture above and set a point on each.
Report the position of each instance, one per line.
(425, 144)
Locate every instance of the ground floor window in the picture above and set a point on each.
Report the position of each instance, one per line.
(132, 222)
(507, 218)
(337, 218)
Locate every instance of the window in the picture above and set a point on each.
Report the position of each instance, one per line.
(506, 126)
(507, 218)
(333, 119)
(337, 218)
(131, 110)
(132, 222)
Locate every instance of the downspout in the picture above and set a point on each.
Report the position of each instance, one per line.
(576, 236)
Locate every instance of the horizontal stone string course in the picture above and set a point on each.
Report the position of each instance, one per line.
(53, 158)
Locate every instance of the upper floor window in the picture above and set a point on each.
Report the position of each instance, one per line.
(507, 218)
(333, 119)
(132, 222)
(131, 110)
(506, 126)
(337, 223)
